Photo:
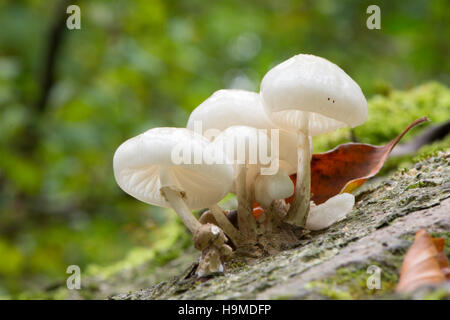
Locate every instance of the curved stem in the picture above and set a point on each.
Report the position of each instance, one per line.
(175, 199)
(225, 224)
(298, 212)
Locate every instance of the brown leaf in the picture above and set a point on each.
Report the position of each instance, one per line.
(348, 166)
(424, 263)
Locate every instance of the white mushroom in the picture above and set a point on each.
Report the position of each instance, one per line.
(329, 212)
(310, 95)
(273, 187)
(229, 107)
(164, 167)
(269, 188)
(226, 108)
(244, 146)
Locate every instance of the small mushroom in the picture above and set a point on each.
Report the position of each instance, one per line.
(210, 240)
(146, 168)
(226, 108)
(243, 146)
(329, 212)
(310, 95)
(229, 107)
(273, 187)
(269, 188)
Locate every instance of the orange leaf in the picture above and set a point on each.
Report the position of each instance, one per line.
(348, 166)
(424, 263)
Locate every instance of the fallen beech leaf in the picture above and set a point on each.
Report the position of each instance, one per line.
(424, 263)
(348, 166)
(427, 136)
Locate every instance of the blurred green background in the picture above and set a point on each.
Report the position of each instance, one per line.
(69, 98)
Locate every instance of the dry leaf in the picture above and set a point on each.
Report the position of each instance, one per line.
(424, 263)
(348, 166)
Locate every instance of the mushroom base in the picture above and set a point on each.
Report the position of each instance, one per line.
(283, 237)
(272, 236)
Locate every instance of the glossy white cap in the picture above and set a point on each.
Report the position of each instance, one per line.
(144, 164)
(306, 83)
(230, 107)
(244, 145)
(273, 187)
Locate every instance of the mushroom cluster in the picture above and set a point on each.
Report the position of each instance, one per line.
(249, 144)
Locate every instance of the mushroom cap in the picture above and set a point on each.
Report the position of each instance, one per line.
(242, 144)
(273, 187)
(306, 83)
(144, 164)
(230, 107)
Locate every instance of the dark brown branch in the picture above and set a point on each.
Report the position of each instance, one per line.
(55, 39)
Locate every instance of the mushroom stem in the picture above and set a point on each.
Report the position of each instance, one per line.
(246, 222)
(298, 212)
(175, 199)
(252, 173)
(210, 240)
(269, 190)
(225, 224)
